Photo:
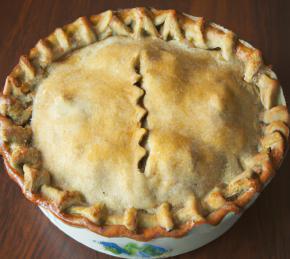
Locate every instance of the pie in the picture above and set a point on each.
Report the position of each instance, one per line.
(142, 123)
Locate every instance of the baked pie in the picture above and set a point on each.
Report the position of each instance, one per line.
(142, 123)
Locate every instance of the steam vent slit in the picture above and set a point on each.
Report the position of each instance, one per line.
(143, 121)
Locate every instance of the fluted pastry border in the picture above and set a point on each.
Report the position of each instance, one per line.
(23, 162)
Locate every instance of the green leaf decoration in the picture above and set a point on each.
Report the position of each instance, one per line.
(131, 248)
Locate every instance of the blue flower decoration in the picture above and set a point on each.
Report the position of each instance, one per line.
(133, 249)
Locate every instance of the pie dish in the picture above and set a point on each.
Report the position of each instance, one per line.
(142, 123)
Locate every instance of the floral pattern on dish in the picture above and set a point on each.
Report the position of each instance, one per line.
(133, 249)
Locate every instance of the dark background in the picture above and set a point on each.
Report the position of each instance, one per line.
(264, 230)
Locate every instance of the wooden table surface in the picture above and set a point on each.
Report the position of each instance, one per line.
(263, 232)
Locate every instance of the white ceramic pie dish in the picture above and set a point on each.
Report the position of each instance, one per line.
(156, 248)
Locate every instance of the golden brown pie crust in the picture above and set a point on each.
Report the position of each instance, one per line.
(23, 161)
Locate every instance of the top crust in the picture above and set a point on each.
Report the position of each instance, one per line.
(93, 111)
(27, 167)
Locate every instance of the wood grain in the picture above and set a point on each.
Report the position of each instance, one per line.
(263, 232)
